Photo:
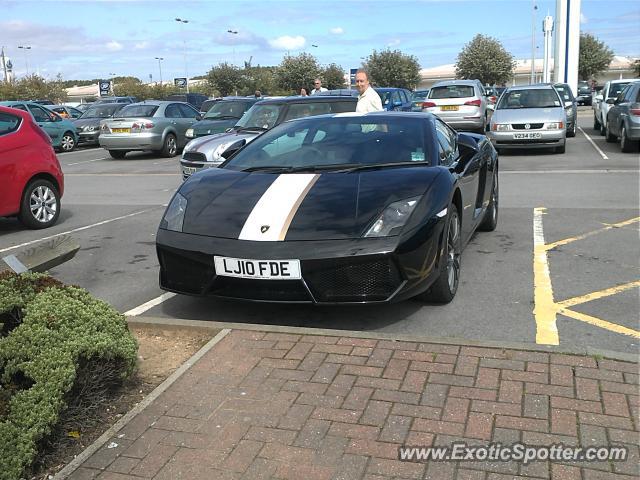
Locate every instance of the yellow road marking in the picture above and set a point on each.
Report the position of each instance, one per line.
(545, 308)
(609, 226)
(570, 302)
(599, 323)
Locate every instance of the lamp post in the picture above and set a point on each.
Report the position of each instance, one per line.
(112, 75)
(233, 32)
(533, 42)
(182, 21)
(26, 58)
(160, 67)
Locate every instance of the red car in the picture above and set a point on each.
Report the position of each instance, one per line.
(31, 180)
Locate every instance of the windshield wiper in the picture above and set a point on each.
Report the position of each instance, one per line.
(307, 168)
(222, 117)
(374, 166)
(248, 129)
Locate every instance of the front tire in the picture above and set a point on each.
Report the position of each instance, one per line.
(117, 154)
(490, 219)
(596, 124)
(445, 287)
(561, 149)
(609, 137)
(170, 147)
(572, 132)
(626, 145)
(40, 205)
(67, 142)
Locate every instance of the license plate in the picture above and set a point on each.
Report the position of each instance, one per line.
(519, 136)
(120, 130)
(258, 269)
(189, 170)
(449, 108)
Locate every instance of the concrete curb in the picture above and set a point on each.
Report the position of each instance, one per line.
(91, 449)
(184, 323)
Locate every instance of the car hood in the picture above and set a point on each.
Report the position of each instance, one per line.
(226, 203)
(213, 126)
(83, 122)
(209, 143)
(529, 115)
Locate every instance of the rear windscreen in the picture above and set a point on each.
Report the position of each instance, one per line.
(137, 111)
(8, 123)
(452, 91)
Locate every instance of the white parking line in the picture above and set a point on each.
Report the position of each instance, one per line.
(561, 172)
(602, 154)
(87, 161)
(104, 222)
(148, 305)
(164, 161)
(84, 150)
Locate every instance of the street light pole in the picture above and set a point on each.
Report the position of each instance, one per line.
(533, 42)
(233, 32)
(26, 57)
(112, 75)
(182, 21)
(160, 67)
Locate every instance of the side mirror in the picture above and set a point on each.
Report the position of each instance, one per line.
(599, 98)
(199, 117)
(611, 101)
(568, 104)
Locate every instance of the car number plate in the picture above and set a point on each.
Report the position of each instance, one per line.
(518, 136)
(258, 269)
(120, 130)
(449, 108)
(189, 170)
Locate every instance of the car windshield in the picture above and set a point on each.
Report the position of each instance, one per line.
(137, 111)
(101, 111)
(564, 92)
(419, 95)
(261, 117)
(335, 143)
(616, 88)
(534, 98)
(452, 91)
(227, 110)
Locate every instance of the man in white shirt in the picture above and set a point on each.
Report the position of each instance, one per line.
(368, 100)
(317, 87)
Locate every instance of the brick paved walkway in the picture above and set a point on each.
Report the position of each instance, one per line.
(272, 405)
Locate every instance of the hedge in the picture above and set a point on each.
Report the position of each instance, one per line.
(49, 330)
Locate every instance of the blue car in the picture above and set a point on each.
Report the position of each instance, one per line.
(62, 131)
(395, 99)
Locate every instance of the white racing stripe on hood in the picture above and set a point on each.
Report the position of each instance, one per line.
(270, 218)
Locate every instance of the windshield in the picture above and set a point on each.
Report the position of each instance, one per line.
(101, 111)
(227, 110)
(335, 143)
(564, 92)
(615, 89)
(534, 98)
(419, 95)
(260, 117)
(137, 111)
(452, 91)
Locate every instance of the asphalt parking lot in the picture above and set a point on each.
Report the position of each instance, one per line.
(563, 266)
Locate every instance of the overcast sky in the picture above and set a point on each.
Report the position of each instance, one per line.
(93, 39)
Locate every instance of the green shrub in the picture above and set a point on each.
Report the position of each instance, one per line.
(57, 329)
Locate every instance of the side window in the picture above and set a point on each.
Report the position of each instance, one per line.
(630, 94)
(39, 114)
(19, 106)
(286, 143)
(342, 107)
(622, 94)
(8, 123)
(395, 97)
(637, 95)
(187, 111)
(172, 111)
(446, 139)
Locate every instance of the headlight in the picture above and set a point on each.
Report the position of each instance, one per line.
(393, 218)
(89, 128)
(189, 133)
(555, 126)
(174, 216)
(500, 127)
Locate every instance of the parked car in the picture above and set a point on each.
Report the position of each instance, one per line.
(65, 111)
(62, 131)
(395, 99)
(570, 106)
(207, 104)
(350, 92)
(88, 125)
(611, 90)
(417, 97)
(31, 180)
(333, 209)
(193, 99)
(584, 93)
(223, 115)
(126, 99)
(623, 118)
(529, 116)
(212, 150)
(42, 102)
(82, 106)
(462, 104)
(159, 126)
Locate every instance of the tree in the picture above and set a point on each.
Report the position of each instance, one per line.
(333, 76)
(485, 59)
(35, 87)
(259, 78)
(393, 69)
(131, 86)
(225, 78)
(594, 57)
(297, 72)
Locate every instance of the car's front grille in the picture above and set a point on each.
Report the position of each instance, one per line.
(523, 126)
(185, 271)
(253, 289)
(194, 157)
(351, 280)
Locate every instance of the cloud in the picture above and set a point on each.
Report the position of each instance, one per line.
(114, 46)
(583, 18)
(393, 43)
(287, 42)
(337, 30)
(141, 45)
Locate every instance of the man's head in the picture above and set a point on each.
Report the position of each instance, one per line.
(317, 84)
(258, 94)
(362, 81)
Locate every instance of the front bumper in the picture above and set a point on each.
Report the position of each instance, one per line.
(333, 271)
(459, 121)
(132, 141)
(548, 139)
(193, 162)
(86, 138)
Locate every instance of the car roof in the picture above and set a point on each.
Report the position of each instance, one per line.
(309, 99)
(536, 86)
(444, 83)
(14, 111)
(387, 89)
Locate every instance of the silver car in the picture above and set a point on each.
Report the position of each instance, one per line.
(527, 117)
(611, 90)
(461, 104)
(159, 126)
